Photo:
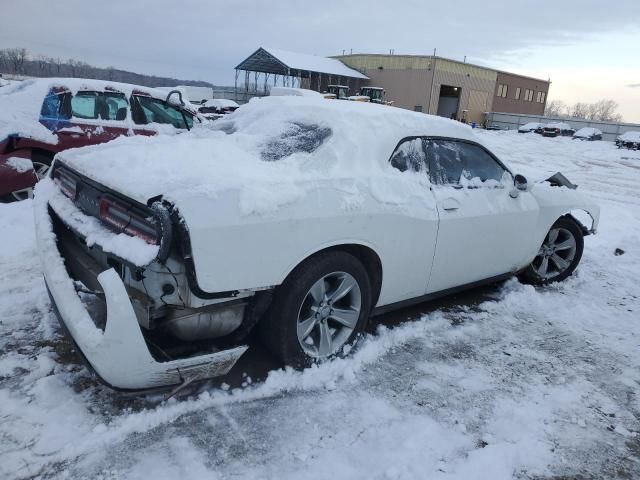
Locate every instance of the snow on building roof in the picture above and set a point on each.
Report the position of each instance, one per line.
(282, 62)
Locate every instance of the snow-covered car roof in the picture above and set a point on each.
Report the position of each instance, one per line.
(263, 147)
(530, 125)
(630, 137)
(220, 103)
(560, 125)
(21, 102)
(587, 132)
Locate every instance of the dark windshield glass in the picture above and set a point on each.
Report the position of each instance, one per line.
(299, 137)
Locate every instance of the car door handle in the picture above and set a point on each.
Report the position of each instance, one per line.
(450, 204)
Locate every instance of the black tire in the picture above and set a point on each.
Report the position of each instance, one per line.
(279, 327)
(567, 224)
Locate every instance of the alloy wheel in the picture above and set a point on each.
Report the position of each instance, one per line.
(41, 170)
(329, 314)
(556, 253)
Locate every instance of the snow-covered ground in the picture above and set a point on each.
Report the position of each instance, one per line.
(526, 383)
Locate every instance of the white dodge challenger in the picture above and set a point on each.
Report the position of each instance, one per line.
(297, 217)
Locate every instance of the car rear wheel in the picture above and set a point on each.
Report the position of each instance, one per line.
(319, 309)
(559, 254)
(41, 166)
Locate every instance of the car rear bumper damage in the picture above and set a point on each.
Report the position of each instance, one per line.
(118, 353)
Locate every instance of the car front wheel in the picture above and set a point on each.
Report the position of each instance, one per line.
(321, 307)
(559, 254)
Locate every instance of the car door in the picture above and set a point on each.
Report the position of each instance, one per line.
(483, 231)
(411, 236)
(150, 115)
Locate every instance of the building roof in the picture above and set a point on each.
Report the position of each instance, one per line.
(436, 57)
(282, 62)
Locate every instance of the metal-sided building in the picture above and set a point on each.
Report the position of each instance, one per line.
(424, 83)
(440, 86)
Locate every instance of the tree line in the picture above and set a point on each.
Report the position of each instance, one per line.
(600, 111)
(19, 61)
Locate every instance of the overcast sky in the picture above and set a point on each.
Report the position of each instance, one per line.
(589, 48)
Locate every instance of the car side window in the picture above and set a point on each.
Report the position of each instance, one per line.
(84, 105)
(410, 155)
(153, 110)
(460, 163)
(113, 106)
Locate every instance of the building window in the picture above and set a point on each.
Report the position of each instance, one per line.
(518, 93)
(417, 108)
(528, 95)
(502, 90)
(543, 97)
(538, 97)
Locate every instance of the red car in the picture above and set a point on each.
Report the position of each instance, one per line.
(39, 118)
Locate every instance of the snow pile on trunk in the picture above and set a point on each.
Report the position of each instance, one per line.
(284, 145)
(134, 249)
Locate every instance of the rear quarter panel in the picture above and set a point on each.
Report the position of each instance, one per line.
(235, 249)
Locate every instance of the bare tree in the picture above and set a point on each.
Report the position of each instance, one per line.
(580, 110)
(604, 110)
(4, 61)
(44, 67)
(57, 64)
(16, 58)
(555, 108)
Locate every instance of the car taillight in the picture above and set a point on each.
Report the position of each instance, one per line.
(67, 184)
(124, 219)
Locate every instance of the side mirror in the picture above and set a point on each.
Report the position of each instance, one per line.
(171, 101)
(520, 184)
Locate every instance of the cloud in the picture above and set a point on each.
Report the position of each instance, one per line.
(201, 39)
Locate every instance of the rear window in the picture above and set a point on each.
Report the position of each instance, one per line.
(298, 137)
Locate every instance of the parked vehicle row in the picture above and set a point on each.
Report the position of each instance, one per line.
(39, 118)
(561, 129)
(282, 225)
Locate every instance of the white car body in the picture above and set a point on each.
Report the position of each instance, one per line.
(250, 222)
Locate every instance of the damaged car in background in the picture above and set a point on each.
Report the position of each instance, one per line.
(295, 217)
(41, 117)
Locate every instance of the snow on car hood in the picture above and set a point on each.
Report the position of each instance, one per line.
(262, 150)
